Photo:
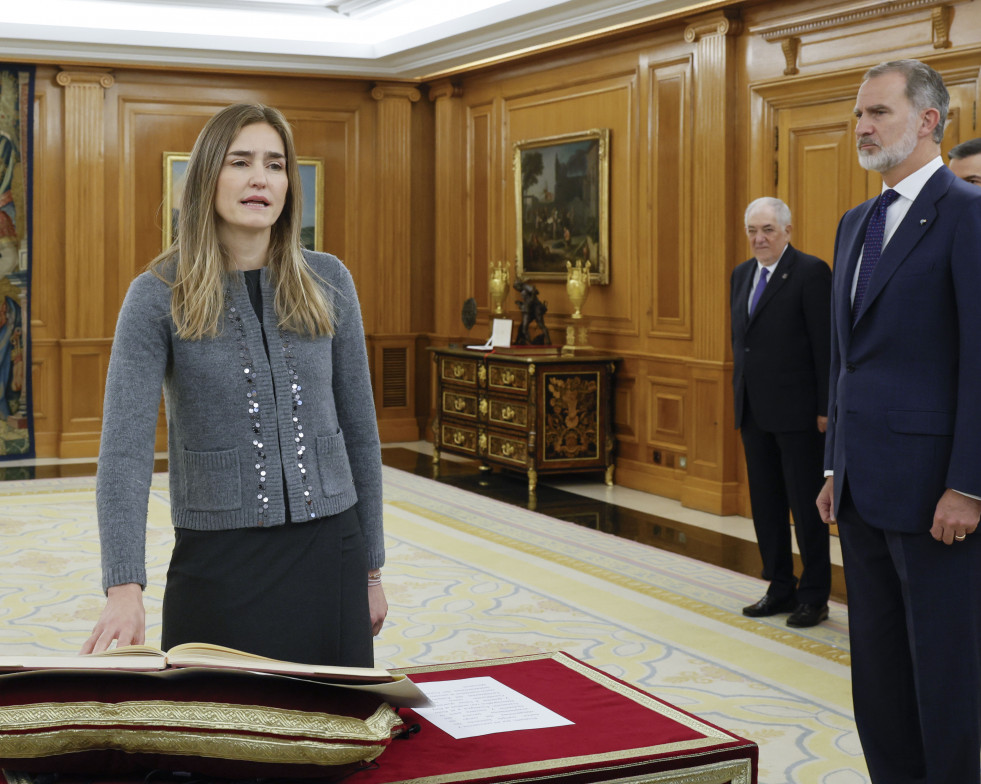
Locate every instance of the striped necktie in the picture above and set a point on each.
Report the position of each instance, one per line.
(874, 235)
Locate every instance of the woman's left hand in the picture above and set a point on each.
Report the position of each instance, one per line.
(377, 607)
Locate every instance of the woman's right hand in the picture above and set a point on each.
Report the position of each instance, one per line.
(123, 619)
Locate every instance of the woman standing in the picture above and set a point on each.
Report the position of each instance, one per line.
(275, 466)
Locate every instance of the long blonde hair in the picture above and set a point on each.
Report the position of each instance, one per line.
(196, 263)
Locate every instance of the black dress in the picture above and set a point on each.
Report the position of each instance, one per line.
(296, 591)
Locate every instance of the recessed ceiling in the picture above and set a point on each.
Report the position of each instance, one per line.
(393, 39)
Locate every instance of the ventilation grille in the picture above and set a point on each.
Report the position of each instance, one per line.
(394, 378)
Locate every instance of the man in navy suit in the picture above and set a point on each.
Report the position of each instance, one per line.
(780, 303)
(903, 453)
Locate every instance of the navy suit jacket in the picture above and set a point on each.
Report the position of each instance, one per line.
(780, 352)
(905, 391)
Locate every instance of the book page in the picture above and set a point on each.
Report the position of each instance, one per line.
(115, 659)
(207, 655)
(471, 707)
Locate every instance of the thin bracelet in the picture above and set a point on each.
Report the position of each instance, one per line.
(375, 579)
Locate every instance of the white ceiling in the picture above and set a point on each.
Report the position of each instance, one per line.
(393, 39)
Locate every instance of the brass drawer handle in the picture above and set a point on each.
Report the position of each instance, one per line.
(507, 449)
(507, 413)
(459, 438)
(458, 370)
(507, 378)
(459, 404)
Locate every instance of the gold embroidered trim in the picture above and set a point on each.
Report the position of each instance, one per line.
(730, 772)
(238, 732)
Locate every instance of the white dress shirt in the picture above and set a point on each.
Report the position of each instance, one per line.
(908, 189)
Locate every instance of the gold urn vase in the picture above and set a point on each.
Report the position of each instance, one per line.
(500, 284)
(577, 286)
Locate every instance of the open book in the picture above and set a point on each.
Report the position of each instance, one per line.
(145, 658)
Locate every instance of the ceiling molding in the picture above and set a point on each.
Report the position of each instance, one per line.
(510, 30)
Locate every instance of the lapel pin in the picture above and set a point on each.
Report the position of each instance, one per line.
(784, 276)
(923, 221)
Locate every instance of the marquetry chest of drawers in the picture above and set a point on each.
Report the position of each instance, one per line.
(537, 413)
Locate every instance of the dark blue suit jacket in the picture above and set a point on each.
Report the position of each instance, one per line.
(905, 389)
(780, 352)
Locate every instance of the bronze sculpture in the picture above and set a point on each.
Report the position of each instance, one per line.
(532, 309)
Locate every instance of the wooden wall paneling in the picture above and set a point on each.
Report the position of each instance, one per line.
(667, 416)
(84, 362)
(608, 98)
(393, 215)
(962, 119)
(422, 203)
(394, 366)
(84, 98)
(712, 482)
(48, 292)
(46, 395)
(148, 127)
(652, 439)
(713, 184)
(842, 35)
(480, 173)
(818, 175)
(709, 483)
(669, 179)
(395, 361)
(48, 243)
(85, 245)
(451, 273)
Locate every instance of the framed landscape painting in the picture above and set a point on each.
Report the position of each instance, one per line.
(311, 180)
(563, 205)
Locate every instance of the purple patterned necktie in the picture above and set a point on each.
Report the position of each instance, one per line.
(874, 235)
(758, 291)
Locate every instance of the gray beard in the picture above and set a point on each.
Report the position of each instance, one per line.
(886, 158)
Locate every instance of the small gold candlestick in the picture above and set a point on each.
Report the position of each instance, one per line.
(500, 284)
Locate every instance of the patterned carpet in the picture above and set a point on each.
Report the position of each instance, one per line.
(473, 578)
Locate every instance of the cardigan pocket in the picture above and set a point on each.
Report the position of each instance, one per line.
(212, 481)
(332, 462)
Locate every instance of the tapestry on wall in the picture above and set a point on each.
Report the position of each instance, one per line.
(16, 131)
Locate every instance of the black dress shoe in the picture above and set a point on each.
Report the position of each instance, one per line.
(768, 605)
(808, 615)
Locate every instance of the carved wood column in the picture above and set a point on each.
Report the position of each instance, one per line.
(710, 482)
(391, 344)
(393, 208)
(84, 347)
(84, 200)
(452, 273)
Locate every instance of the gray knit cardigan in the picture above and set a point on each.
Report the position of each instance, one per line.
(237, 422)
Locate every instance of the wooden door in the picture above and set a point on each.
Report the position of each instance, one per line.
(818, 174)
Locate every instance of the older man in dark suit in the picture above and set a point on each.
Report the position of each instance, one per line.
(780, 302)
(904, 444)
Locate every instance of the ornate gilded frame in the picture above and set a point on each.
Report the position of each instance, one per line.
(562, 205)
(311, 178)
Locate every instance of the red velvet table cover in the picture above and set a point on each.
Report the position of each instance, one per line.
(618, 734)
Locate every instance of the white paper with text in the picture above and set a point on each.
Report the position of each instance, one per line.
(470, 707)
